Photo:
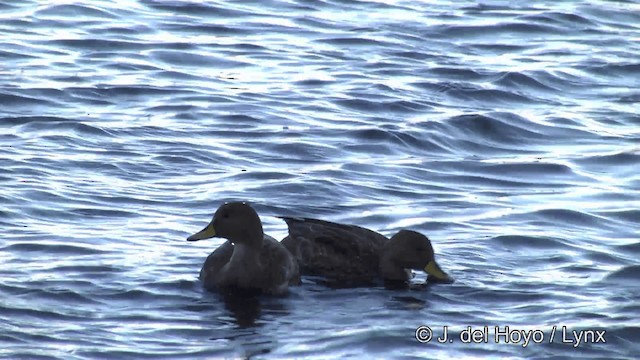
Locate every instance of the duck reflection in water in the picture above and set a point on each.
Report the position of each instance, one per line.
(243, 305)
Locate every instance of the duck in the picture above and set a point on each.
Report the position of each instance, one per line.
(353, 255)
(249, 261)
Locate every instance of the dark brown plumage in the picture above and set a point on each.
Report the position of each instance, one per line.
(354, 255)
(249, 260)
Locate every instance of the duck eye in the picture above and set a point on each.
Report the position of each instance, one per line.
(225, 215)
(419, 249)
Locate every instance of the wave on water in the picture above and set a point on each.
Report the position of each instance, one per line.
(507, 133)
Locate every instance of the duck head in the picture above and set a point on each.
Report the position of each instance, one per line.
(412, 250)
(237, 222)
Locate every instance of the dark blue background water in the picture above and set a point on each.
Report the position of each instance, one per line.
(509, 133)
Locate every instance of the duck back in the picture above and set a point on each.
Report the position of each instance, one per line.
(339, 252)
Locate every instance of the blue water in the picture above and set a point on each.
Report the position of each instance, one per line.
(507, 132)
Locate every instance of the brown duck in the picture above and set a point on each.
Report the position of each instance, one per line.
(249, 260)
(354, 255)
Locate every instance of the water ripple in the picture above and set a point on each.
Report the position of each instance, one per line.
(507, 133)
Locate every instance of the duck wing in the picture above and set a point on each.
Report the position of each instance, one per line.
(280, 267)
(341, 252)
(214, 262)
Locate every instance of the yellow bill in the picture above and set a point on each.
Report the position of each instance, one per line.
(206, 233)
(433, 269)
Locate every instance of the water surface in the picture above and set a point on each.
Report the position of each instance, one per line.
(507, 133)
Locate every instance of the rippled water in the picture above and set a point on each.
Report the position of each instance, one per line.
(508, 133)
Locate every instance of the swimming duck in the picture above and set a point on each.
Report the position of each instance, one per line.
(354, 255)
(250, 260)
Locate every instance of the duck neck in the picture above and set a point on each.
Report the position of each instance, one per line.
(242, 268)
(244, 256)
(252, 237)
(391, 270)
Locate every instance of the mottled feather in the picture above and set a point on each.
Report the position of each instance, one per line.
(345, 253)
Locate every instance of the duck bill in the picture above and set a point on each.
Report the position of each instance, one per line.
(433, 269)
(206, 233)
